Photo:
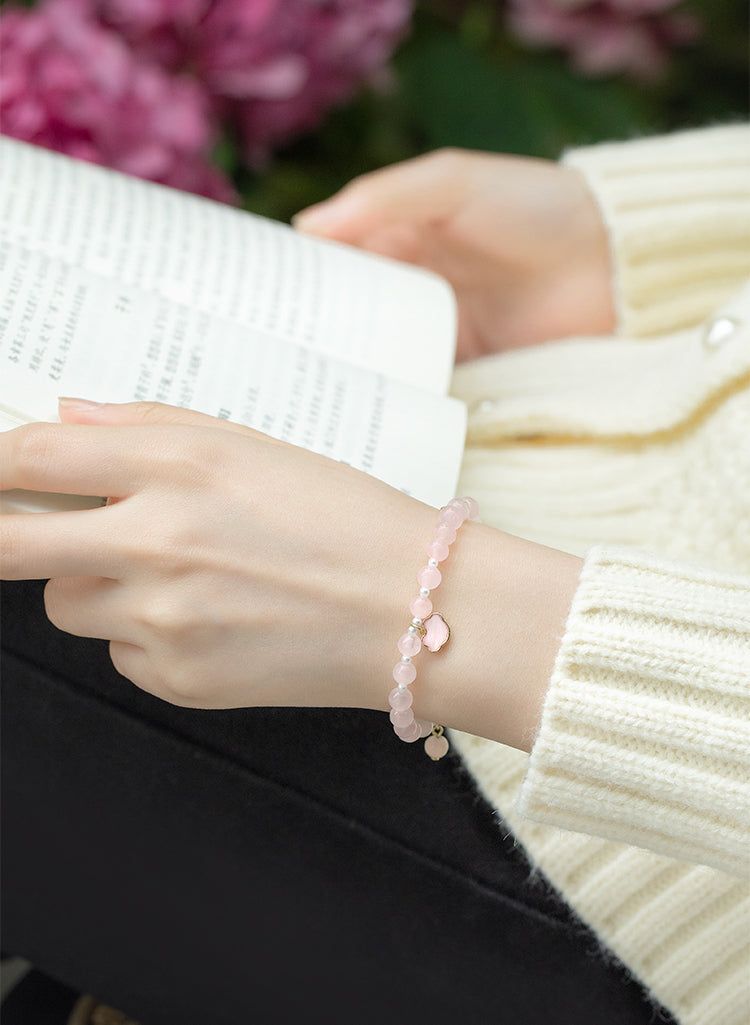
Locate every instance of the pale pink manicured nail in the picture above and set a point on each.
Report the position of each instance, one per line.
(83, 405)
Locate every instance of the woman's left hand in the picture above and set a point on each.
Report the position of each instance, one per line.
(227, 569)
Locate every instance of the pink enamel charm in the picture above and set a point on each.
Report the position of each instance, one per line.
(437, 632)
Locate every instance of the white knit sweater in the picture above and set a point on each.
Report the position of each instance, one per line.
(635, 451)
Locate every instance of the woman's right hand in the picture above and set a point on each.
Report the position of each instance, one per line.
(521, 240)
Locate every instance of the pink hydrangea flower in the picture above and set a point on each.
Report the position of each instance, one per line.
(633, 37)
(71, 85)
(275, 65)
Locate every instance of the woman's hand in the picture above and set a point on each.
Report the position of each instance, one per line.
(228, 568)
(520, 240)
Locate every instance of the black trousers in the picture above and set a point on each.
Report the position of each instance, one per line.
(266, 866)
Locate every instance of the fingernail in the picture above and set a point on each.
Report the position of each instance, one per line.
(80, 404)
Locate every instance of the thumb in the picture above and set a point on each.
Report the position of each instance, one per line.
(83, 411)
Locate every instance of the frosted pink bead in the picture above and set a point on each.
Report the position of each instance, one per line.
(471, 505)
(408, 733)
(421, 607)
(402, 717)
(429, 576)
(460, 506)
(425, 727)
(404, 673)
(399, 699)
(409, 644)
(438, 550)
(450, 517)
(445, 533)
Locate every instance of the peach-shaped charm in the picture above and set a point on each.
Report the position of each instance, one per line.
(437, 632)
(436, 747)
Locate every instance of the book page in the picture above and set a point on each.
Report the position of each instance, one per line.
(367, 310)
(67, 332)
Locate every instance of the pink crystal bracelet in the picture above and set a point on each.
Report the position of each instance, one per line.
(428, 628)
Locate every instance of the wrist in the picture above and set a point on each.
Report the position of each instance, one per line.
(382, 593)
(506, 601)
(588, 266)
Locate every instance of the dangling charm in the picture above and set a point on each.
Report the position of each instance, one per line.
(437, 744)
(436, 632)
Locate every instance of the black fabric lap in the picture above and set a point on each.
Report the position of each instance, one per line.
(265, 865)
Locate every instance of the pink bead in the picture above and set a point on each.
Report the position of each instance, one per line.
(425, 727)
(438, 550)
(409, 644)
(429, 576)
(445, 533)
(460, 506)
(450, 517)
(404, 673)
(473, 508)
(400, 698)
(402, 717)
(421, 607)
(408, 733)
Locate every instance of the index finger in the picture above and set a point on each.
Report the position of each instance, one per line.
(73, 459)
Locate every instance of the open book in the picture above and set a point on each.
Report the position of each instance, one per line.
(115, 289)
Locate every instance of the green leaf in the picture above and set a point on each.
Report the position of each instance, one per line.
(513, 102)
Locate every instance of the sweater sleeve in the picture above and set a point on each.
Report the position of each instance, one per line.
(645, 734)
(677, 209)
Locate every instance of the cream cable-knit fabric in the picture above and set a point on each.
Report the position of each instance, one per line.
(647, 732)
(679, 220)
(640, 447)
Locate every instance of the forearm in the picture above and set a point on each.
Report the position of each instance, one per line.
(625, 673)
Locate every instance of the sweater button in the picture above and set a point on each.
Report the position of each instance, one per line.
(719, 330)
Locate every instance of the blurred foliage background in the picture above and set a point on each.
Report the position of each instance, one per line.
(461, 76)
(461, 80)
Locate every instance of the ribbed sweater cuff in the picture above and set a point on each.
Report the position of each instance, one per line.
(645, 736)
(677, 209)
